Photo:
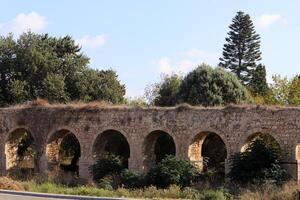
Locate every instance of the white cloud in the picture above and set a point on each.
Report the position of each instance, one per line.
(88, 41)
(164, 65)
(24, 22)
(186, 62)
(266, 20)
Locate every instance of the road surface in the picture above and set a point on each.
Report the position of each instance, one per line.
(21, 197)
(13, 195)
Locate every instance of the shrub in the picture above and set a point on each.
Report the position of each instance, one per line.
(172, 170)
(131, 179)
(257, 164)
(107, 165)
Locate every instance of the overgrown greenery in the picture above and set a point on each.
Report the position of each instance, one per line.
(39, 65)
(172, 170)
(259, 163)
(109, 172)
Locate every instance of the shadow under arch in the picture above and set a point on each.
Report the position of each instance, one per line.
(208, 151)
(111, 142)
(63, 151)
(157, 145)
(20, 153)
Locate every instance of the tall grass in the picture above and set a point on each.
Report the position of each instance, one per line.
(173, 192)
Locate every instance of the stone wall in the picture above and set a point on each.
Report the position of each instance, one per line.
(234, 124)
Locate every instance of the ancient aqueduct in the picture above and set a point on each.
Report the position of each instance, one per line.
(97, 129)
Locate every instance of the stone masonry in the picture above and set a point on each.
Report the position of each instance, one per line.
(185, 124)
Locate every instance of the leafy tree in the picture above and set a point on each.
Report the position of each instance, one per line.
(294, 91)
(100, 85)
(258, 84)
(168, 91)
(18, 91)
(54, 88)
(172, 170)
(279, 90)
(242, 48)
(207, 86)
(38, 65)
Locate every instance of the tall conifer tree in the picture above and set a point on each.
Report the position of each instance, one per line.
(242, 48)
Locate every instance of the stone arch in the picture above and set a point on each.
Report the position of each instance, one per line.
(111, 142)
(63, 151)
(254, 132)
(157, 145)
(266, 137)
(208, 150)
(20, 152)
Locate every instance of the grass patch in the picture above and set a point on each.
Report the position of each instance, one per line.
(173, 192)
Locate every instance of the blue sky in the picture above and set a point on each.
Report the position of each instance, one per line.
(143, 39)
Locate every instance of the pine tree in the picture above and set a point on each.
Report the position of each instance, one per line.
(242, 48)
(258, 83)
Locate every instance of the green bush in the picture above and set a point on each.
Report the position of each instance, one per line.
(107, 165)
(257, 164)
(172, 170)
(131, 179)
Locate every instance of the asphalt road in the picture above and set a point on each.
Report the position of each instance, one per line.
(13, 195)
(21, 197)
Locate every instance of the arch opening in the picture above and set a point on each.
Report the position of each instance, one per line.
(157, 145)
(112, 142)
(20, 154)
(208, 152)
(269, 141)
(63, 153)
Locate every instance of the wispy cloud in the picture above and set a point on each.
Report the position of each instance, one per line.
(89, 41)
(187, 61)
(24, 22)
(266, 20)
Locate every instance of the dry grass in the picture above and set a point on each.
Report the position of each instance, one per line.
(9, 184)
(96, 105)
(289, 191)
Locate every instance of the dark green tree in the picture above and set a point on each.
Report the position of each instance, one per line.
(242, 48)
(100, 85)
(258, 163)
(258, 84)
(168, 91)
(208, 87)
(38, 65)
(54, 88)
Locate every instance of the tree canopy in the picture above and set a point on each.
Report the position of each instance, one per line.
(168, 91)
(203, 86)
(38, 65)
(207, 86)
